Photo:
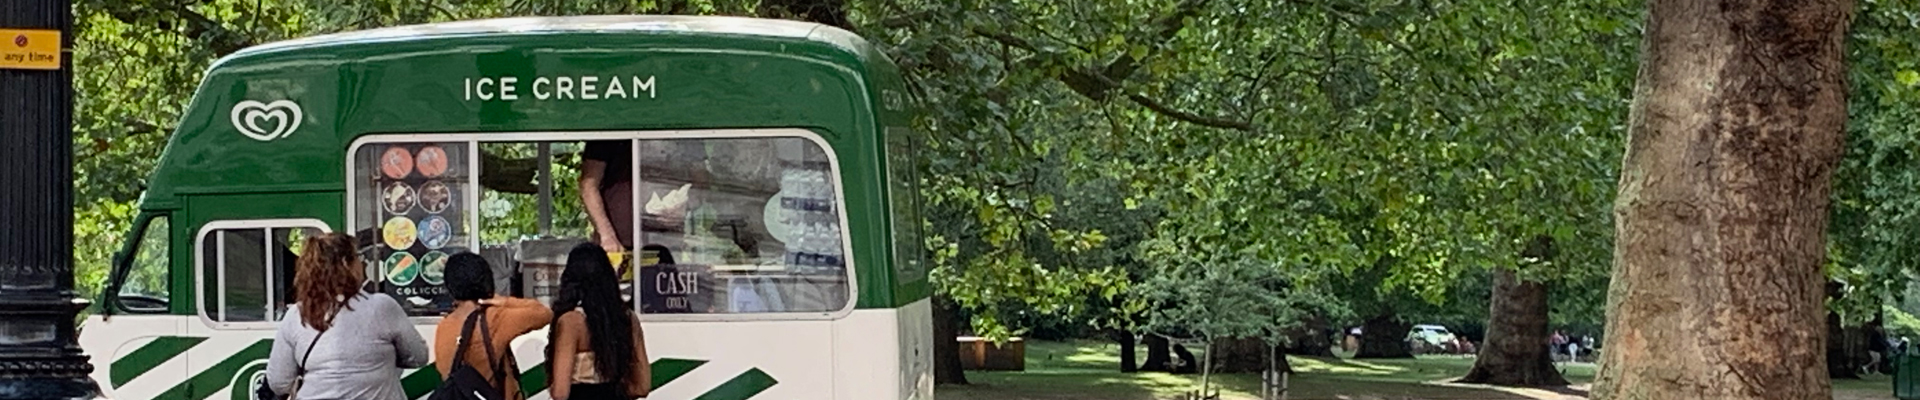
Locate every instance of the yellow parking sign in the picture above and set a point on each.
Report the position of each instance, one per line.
(29, 49)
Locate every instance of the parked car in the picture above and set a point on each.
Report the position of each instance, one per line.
(1432, 334)
(1426, 338)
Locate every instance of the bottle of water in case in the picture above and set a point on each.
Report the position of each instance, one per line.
(833, 255)
(816, 185)
(797, 253)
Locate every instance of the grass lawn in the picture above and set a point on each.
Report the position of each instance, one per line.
(1087, 371)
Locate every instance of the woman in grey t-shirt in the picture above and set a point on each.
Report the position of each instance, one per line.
(364, 339)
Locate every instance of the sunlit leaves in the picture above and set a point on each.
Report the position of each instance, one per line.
(1224, 297)
(1440, 134)
(1436, 134)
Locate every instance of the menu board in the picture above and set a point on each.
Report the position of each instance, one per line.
(421, 219)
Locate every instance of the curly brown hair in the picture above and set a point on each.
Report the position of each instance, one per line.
(328, 274)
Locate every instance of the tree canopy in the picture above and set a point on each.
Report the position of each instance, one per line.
(1105, 161)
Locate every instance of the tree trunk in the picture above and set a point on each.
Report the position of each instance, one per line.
(1159, 354)
(946, 346)
(1384, 336)
(1314, 339)
(1840, 361)
(1241, 355)
(1126, 341)
(1280, 362)
(1736, 125)
(1858, 350)
(1515, 352)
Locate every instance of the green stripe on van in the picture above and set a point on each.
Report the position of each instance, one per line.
(668, 369)
(741, 387)
(534, 380)
(217, 378)
(415, 383)
(148, 356)
(420, 381)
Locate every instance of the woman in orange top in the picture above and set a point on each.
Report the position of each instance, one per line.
(595, 347)
(470, 281)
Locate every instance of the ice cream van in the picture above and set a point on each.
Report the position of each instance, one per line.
(763, 200)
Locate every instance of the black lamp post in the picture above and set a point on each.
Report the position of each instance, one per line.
(40, 357)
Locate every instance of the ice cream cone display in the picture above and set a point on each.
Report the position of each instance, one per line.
(431, 161)
(402, 268)
(399, 233)
(435, 232)
(396, 163)
(435, 197)
(435, 268)
(422, 219)
(397, 197)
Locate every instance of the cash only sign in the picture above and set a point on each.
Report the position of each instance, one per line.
(29, 49)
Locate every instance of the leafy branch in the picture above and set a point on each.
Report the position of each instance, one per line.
(1098, 83)
(194, 25)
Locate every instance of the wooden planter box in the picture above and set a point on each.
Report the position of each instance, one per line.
(980, 354)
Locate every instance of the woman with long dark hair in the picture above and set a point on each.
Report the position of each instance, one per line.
(596, 347)
(339, 342)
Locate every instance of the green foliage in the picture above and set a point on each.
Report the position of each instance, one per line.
(98, 231)
(1341, 134)
(1900, 324)
(508, 216)
(1876, 193)
(1106, 161)
(1219, 298)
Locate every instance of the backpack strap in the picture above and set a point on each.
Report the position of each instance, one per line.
(508, 368)
(466, 332)
(486, 335)
(478, 318)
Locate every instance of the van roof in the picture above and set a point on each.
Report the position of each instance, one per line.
(657, 24)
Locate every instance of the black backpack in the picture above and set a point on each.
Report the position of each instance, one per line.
(463, 381)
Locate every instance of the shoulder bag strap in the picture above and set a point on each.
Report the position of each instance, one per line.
(300, 374)
(302, 371)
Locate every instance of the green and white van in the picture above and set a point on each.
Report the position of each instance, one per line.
(772, 160)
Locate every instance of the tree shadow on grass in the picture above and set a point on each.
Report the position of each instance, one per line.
(1090, 371)
(1113, 385)
(1327, 386)
(1569, 391)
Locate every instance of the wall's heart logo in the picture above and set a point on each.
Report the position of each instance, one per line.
(266, 121)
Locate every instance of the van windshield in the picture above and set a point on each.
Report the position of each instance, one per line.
(141, 267)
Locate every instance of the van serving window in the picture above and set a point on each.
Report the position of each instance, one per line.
(740, 225)
(246, 268)
(706, 224)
